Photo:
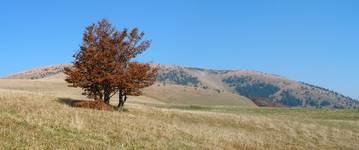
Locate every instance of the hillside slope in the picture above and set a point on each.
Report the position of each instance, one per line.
(262, 88)
(39, 73)
(30, 119)
(170, 94)
(34, 115)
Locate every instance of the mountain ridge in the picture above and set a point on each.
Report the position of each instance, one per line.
(264, 89)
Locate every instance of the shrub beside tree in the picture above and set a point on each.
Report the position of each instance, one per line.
(104, 66)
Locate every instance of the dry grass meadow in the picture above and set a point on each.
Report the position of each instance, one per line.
(33, 115)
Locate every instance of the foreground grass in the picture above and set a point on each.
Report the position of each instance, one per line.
(39, 121)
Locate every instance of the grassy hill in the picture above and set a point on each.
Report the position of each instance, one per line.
(227, 87)
(262, 88)
(39, 73)
(34, 116)
(171, 94)
(176, 94)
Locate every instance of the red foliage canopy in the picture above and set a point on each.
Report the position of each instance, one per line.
(103, 65)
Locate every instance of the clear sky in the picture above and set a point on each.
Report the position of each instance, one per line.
(315, 41)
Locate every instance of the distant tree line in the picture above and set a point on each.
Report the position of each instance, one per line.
(178, 77)
(256, 89)
(246, 86)
(329, 91)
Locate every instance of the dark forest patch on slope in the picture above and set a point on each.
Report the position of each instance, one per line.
(178, 77)
(249, 87)
(264, 92)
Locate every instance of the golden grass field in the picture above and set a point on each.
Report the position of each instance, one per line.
(33, 116)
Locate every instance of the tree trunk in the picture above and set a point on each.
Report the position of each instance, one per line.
(121, 101)
(101, 97)
(107, 98)
(120, 105)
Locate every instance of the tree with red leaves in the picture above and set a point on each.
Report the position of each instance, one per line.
(103, 66)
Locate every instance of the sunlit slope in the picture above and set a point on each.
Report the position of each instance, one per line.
(176, 94)
(158, 94)
(52, 88)
(39, 73)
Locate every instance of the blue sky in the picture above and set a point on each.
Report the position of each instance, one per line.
(315, 41)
